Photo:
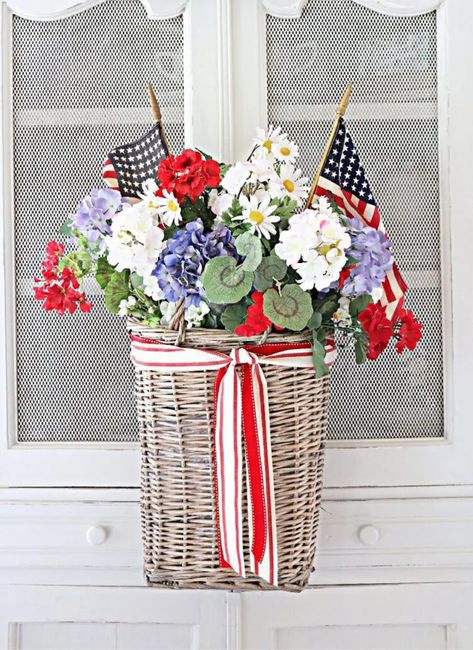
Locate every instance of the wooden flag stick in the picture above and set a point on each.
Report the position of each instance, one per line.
(156, 112)
(342, 107)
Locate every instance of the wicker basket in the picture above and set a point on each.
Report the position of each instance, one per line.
(177, 497)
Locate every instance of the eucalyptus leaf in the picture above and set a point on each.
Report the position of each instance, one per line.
(359, 304)
(249, 247)
(289, 309)
(318, 358)
(271, 268)
(223, 282)
(66, 229)
(117, 290)
(136, 280)
(315, 321)
(233, 316)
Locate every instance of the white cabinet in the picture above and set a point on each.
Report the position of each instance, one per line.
(398, 503)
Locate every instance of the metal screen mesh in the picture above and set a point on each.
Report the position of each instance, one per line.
(79, 89)
(393, 120)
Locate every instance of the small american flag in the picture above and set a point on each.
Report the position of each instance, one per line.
(343, 178)
(129, 165)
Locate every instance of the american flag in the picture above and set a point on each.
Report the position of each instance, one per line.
(129, 165)
(343, 178)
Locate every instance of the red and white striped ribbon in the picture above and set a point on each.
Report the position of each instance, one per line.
(237, 403)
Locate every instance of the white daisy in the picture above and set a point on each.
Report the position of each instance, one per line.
(285, 150)
(168, 209)
(267, 138)
(290, 183)
(235, 178)
(219, 202)
(259, 214)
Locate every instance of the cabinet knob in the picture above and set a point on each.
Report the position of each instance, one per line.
(96, 535)
(368, 535)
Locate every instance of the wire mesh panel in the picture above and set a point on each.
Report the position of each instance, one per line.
(79, 90)
(393, 120)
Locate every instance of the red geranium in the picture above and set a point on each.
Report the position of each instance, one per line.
(188, 174)
(59, 288)
(409, 332)
(256, 322)
(378, 327)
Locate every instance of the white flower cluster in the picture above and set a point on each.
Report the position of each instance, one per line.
(193, 315)
(269, 174)
(135, 244)
(165, 207)
(314, 245)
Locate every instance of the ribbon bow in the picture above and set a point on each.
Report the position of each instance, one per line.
(237, 402)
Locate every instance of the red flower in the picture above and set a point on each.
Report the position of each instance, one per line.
(378, 327)
(188, 174)
(59, 288)
(256, 322)
(344, 275)
(409, 332)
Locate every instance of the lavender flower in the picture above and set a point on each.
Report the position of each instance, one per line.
(182, 261)
(92, 217)
(373, 252)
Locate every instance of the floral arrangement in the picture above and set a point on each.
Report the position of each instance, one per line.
(235, 246)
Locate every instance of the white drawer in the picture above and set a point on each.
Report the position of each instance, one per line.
(93, 541)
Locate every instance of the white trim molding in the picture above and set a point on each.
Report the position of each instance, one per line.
(284, 8)
(56, 9)
(401, 7)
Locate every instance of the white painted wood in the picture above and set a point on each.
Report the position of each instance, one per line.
(44, 541)
(56, 9)
(385, 617)
(401, 7)
(124, 619)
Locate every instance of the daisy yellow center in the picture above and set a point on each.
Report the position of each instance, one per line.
(267, 144)
(284, 151)
(289, 185)
(256, 217)
(172, 206)
(152, 204)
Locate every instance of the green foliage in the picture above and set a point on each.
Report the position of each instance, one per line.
(359, 304)
(66, 229)
(249, 246)
(233, 316)
(360, 352)
(116, 290)
(318, 356)
(191, 210)
(271, 268)
(315, 321)
(104, 272)
(286, 207)
(80, 263)
(224, 282)
(136, 281)
(326, 306)
(291, 308)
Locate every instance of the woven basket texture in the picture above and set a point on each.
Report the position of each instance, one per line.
(175, 414)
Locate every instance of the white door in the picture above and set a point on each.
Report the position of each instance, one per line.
(74, 79)
(402, 420)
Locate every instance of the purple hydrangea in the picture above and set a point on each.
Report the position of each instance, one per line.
(182, 261)
(373, 252)
(92, 217)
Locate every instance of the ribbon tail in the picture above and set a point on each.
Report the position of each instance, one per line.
(263, 538)
(228, 469)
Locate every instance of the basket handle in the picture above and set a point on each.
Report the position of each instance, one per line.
(178, 322)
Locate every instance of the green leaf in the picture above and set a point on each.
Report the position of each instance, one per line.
(136, 281)
(271, 268)
(318, 358)
(359, 304)
(290, 309)
(249, 246)
(360, 352)
(66, 229)
(80, 262)
(223, 282)
(315, 321)
(117, 290)
(233, 316)
(286, 207)
(104, 272)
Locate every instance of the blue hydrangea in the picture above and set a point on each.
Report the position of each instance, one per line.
(372, 251)
(92, 216)
(182, 261)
